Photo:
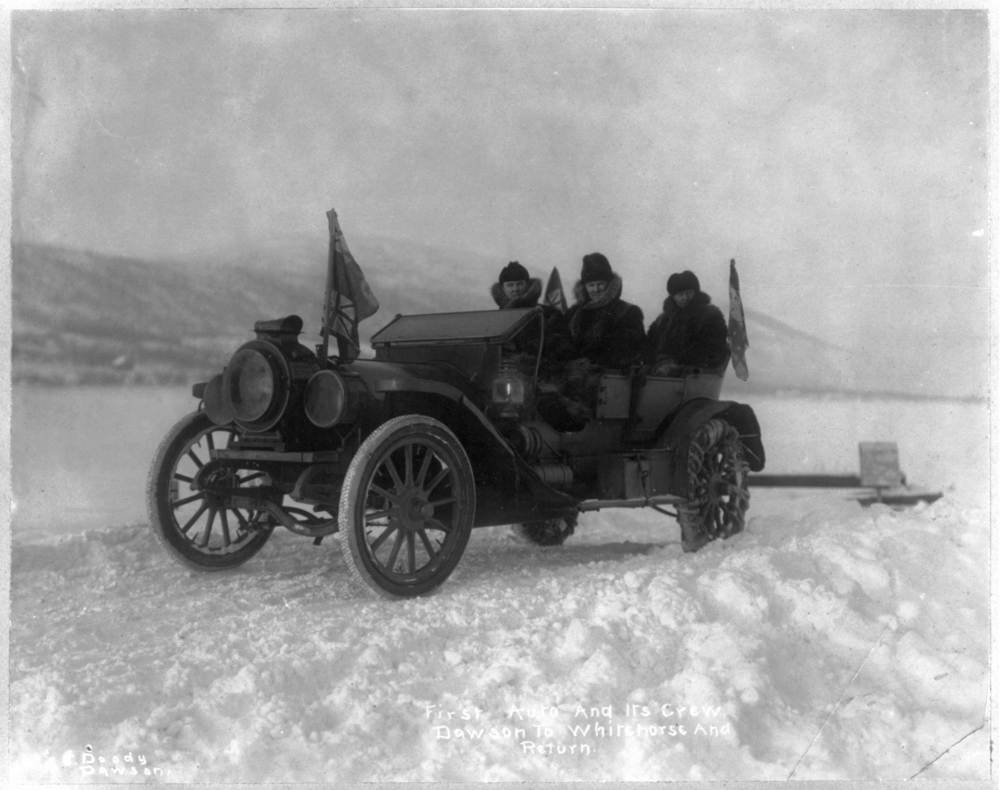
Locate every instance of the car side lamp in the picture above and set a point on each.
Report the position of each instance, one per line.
(511, 392)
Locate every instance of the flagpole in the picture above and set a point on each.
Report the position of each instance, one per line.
(325, 329)
(341, 343)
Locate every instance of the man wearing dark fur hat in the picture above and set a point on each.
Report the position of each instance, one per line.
(690, 335)
(607, 330)
(608, 333)
(516, 288)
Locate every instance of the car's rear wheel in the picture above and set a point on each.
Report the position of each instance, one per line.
(718, 496)
(407, 506)
(198, 528)
(550, 532)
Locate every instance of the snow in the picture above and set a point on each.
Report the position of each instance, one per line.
(828, 641)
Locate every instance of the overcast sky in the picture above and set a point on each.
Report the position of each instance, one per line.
(839, 156)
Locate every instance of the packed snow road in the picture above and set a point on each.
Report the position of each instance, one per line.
(826, 642)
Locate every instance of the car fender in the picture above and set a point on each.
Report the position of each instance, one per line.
(676, 427)
(382, 386)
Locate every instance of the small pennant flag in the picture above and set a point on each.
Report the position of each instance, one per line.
(348, 300)
(554, 292)
(737, 325)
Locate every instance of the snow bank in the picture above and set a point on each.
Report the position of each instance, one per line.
(826, 642)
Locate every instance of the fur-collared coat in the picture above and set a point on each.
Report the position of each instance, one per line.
(558, 343)
(689, 337)
(608, 331)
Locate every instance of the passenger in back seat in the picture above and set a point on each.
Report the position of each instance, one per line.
(690, 335)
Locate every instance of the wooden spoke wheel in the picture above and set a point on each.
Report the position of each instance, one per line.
(718, 496)
(197, 527)
(407, 506)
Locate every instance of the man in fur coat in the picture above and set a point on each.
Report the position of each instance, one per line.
(516, 288)
(690, 335)
(607, 330)
(608, 333)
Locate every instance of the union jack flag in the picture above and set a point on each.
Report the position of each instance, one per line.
(737, 325)
(348, 300)
(554, 291)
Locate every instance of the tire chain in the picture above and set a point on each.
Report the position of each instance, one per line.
(706, 436)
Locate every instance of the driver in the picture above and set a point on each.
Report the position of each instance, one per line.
(516, 288)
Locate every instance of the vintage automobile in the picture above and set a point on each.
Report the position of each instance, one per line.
(405, 453)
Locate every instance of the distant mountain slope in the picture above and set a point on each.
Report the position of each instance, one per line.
(406, 277)
(786, 330)
(782, 357)
(81, 317)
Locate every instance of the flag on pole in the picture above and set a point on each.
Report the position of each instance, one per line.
(348, 299)
(737, 325)
(554, 291)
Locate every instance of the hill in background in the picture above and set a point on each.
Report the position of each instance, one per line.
(85, 318)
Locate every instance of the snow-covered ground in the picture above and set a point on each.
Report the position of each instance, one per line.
(828, 641)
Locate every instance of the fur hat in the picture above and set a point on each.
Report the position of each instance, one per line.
(682, 281)
(595, 267)
(513, 272)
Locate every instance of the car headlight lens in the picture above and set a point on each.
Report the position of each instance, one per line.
(251, 385)
(325, 399)
(255, 386)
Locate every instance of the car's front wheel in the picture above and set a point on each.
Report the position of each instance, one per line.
(407, 506)
(718, 495)
(197, 527)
